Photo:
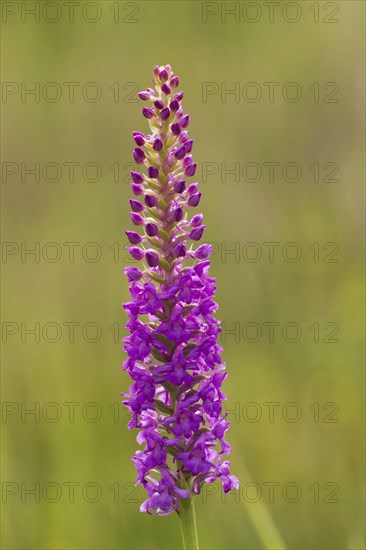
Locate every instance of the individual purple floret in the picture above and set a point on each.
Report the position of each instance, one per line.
(173, 356)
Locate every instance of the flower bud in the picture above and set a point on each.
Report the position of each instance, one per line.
(138, 155)
(177, 214)
(179, 186)
(179, 251)
(151, 201)
(184, 121)
(151, 229)
(194, 199)
(175, 129)
(136, 177)
(137, 189)
(152, 258)
(153, 172)
(133, 237)
(135, 252)
(147, 112)
(165, 114)
(197, 233)
(144, 95)
(158, 144)
(190, 169)
(136, 205)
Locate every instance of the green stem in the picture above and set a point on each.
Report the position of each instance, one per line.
(188, 524)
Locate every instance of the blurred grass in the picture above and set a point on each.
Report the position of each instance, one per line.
(305, 212)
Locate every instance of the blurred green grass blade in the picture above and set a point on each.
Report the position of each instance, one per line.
(262, 520)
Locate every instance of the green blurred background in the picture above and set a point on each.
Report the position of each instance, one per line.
(321, 452)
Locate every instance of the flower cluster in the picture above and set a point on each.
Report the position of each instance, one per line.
(173, 356)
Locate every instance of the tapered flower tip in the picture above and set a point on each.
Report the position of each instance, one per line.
(191, 169)
(136, 205)
(153, 172)
(203, 251)
(151, 201)
(137, 189)
(197, 233)
(178, 96)
(133, 273)
(179, 251)
(152, 229)
(194, 199)
(138, 155)
(133, 237)
(136, 252)
(152, 258)
(137, 177)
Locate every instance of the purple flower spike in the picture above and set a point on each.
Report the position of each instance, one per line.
(174, 359)
(138, 155)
